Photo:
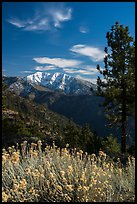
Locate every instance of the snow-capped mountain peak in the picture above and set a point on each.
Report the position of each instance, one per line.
(61, 82)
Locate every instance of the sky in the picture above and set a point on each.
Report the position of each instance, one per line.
(66, 37)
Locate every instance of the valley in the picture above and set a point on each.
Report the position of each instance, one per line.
(82, 107)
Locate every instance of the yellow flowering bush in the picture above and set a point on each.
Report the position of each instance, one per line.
(58, 175)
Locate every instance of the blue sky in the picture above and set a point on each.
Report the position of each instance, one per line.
(66, 37)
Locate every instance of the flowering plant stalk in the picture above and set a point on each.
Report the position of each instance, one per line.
(56, 175)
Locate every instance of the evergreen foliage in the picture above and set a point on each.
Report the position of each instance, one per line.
(110, 145)
(24, 119)
(118, 86)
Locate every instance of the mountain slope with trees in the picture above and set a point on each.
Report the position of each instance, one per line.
(23, 119)
(81, 108)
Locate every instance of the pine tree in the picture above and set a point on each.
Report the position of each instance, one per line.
(71, 134)
(89, 141)
(118, 84)
(110, 145)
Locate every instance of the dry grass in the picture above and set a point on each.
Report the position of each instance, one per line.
(55, 175)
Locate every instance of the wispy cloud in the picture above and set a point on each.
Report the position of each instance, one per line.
(40, 25)
(94, 53)
(44, 19)
(26, 72)
(80, 71)
(69, 66)
(16, 22)
(45, 68)
(60, 16)
(87, 72)
(83, 29)
(59, 62)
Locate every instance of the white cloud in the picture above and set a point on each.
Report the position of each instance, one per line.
(59, 62)
(26, 72)
(83, 29)
(39, 23)
(80, 71)
(70, 70)
(33, 25)
(94, 53)
(45, 19)
(60, 16)
(45, 68)
(16, 22)
(88, 73)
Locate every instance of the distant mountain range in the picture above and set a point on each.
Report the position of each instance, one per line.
(68, 96)
(54, 81)
(60, 81)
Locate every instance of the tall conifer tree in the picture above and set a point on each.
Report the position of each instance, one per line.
(118, 83)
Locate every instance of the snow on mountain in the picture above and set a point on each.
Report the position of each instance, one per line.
(62, 82)
(52, 81)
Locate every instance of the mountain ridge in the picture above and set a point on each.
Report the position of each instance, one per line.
(60, 81)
